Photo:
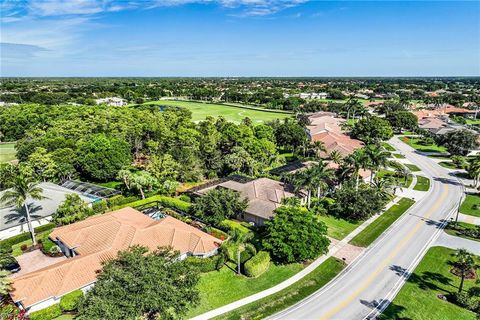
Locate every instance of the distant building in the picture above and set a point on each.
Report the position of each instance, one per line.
(111, 101)
(313, 95)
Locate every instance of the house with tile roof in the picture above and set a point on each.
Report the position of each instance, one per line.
(95, 240)
(327, 128)
(263, 195)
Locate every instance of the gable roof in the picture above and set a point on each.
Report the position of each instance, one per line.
(99, 239)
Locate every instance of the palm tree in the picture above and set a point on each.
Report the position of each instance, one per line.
(18, 195)
(357, 160)
(403, 172)
(321, 175)
(474, 171)
(317, 147)
(377, 158)
(464, 263)
(384, 186)
(5, 282)
(336, 156)
(241, 239)
(304, 180)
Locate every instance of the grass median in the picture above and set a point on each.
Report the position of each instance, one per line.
(290, 295)
(423, 184)
(471, 205)
(378, 226)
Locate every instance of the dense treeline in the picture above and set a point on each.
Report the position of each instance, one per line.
(97, 142)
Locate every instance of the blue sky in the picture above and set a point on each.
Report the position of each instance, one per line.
(239, 38)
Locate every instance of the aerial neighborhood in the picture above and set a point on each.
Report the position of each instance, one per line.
(239, 160)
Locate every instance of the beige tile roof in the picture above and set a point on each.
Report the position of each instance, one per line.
(98, 239)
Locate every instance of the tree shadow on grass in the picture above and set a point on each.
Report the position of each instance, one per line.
(426, 281)
(393, 310)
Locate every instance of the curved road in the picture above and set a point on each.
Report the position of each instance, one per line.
(369, 284)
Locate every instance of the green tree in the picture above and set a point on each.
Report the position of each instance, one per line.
(356, 204)
(356, 161)
(72, 209)
(23, 189)
(377, 158)
(142, 180)
(295, 234)
(42, 164)
(8, 172)
(158, 285)
(372, 130)
(101, 157)
(219, 204)
(5, 282)
(464, 264)
(459, 142)
(402, 120)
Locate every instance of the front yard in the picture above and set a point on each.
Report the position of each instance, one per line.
(218, 288)
(471, 205)
(417, 145)
(418, 297)
(338, 228)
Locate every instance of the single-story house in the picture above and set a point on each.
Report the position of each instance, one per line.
(97, 239)
(327, 128)
(263, 195)
(13, 220)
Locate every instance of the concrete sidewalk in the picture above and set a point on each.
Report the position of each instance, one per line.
(468, 219)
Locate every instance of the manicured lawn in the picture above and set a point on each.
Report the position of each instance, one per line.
(471, 205)
(423, 184)
(218, 288)
(398, 155)
(290, 295)
(448, 164)
(338, 228)
(418, 297)
(451, 230)
(7, 152)
(388, 147)
(404, 183)
(412, 167)
(202, 110)
(414, 143)
(473, 121)
(111, 184)
(377, 227)
(65, 317)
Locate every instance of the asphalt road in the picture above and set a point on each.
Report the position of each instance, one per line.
(370, 282)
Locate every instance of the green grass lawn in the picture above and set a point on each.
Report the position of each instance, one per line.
(469, 205)
(218, 288)
(473, 121)
(423, 184)
(201, 110)
(64, 317)
(7, 152)
(338, 228)
(377, 227)
(450, 229)
(289, 296)
(412, 167)
(388, 147)
(413, 142)
(448, 164)
(418, 297)
(403, 183)
(398, 155)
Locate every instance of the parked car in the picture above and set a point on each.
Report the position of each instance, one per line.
(9, 263)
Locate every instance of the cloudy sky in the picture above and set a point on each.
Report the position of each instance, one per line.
(239, 38)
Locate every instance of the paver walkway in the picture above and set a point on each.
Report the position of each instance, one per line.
(452, 242)
(34, 260)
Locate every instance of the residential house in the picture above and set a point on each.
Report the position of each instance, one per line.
(95, 240)
(263, 195)
(111, 101)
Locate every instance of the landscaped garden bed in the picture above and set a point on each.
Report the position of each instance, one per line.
(464, 230)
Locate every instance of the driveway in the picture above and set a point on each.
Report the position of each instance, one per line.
(446, 240)
(35, 260)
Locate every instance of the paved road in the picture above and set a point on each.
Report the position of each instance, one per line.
(371, 282)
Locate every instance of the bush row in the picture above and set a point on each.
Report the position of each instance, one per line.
(48, 313)
(6, 245)
(206, 264)
(257, 265)
(70, 301)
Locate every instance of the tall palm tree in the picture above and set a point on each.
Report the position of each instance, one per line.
(5, 282)
(241, 239)
(317, 147)
(18, 195)
(385, 186)
(377, 158)
(357, 160)
(473, 170)
(464, 263)
(304, 180)
(321, 175)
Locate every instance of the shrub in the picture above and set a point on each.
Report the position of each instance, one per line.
(47, 245)
(185, 198)
(206, 264)
(219, 234)
(174, 203)
(100, 206)
(48, 313)
(69, 302)
(6, 245)
(258, 264)
(23, 247)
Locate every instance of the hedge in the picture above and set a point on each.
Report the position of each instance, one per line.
(47, 245)
(6, 245)
(258, 264)
(206, 264)
(48, 313)
(69, 302)
(168, 202)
